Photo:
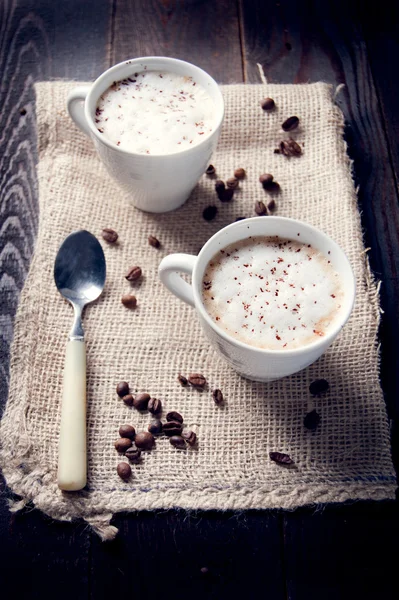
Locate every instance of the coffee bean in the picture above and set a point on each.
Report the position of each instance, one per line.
(273, 187)
(174, 416)
(189, 436)
(266, 180)
(217, 397)
(239, 173)
(182, 380)
(226, 195)
(204, 571)
(210, 170)
(129, 300)
(154, 406)
(128, 400)
(127, 431)
(122, 444)
(312, 420)
(172, 428)
(133, 454)
(144, 440)
(290, 148)
(268, 104)
(219, 185)
(260, 208)
(178, 442)
(153, 241)
(155, 427)
(209, 213)
(290, 124)
(124, 471)
(133, 274)
(232, 183)
(122, 389)
(281, 458)
(318, 386)
(197, 380)
(141, 401)
(109, 235)
(271, 205)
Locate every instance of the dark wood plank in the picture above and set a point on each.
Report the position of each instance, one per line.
(37, 41)
(203, 32)
(342, 552)
(162, 554)
(313, 41)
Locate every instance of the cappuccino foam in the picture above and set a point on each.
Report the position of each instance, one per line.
(155, 112)
(272, 292)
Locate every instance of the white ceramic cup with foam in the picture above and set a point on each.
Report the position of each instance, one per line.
(255, 363)
(155, 183)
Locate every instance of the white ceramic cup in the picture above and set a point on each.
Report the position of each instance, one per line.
(155, 183)
(254, 363)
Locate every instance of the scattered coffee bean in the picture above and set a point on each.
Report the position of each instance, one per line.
(197, 380)
(290, 148)
(268, 104)
(281, 458)
(22, 112)
(128, 400)
(182, 380)
(133, 454)
(260, 208)
(217, 397)
(312, 420)
(290, 124)
(210, 170)
(219, 186)
(129, 300)
(127, 431)
(172, 428)
(318, 386)
(204, 571)
(277, 151)
(189, 436)
(271, 205)
(178, 442)
(174, 416)
(109, 235)
(273, 187)
(122, 444)
(141, 401)
(144, 440)
(226, 195)
(155, 427)
(153, 241)
(266, 180)
(232, 183)
(209, 213)
(239, 173)
(154, 406)
(122, 389)
(124, 471)
(133, 274)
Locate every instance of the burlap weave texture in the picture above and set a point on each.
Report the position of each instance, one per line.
(347, 457)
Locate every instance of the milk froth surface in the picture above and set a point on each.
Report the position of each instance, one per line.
(155, 112)
(273, 293)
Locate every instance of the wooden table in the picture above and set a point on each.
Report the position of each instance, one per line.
(335, 552)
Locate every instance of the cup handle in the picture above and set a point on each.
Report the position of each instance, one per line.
(75, 106)
(169, 275)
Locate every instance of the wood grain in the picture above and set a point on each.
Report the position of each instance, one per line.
(203, 32)
(242, 552)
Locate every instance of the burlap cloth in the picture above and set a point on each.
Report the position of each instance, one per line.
(347, 457)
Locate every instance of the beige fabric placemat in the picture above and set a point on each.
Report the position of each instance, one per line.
(347, 457)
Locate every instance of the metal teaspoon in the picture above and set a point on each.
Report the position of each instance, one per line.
(79, 273)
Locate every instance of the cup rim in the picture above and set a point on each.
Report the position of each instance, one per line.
(151, 59)
(325, 341)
